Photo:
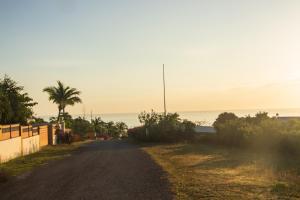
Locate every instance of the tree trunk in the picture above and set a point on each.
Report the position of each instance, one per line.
(58, 117)
(63, 113)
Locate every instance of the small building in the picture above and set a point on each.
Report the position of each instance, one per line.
(288, 118)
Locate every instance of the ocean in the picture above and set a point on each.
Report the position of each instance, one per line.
(206, 117)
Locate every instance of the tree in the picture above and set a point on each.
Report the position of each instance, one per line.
(122, 128)
(99, 125)
(62, 96)
(112, 129)
(224, 118)
(15, 104)
(149, 119)
(37, 120)
(67, 119)
(81, 126)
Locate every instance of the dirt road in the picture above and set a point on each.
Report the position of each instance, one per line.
(99, 170)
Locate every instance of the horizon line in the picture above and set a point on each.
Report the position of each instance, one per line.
(186, 111)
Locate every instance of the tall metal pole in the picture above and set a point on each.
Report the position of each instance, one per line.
(91, 116)
(164, 82)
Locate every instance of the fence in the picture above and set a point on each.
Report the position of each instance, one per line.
(16, 140)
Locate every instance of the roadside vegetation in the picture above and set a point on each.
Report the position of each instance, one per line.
(15, 103)
(63, 96)
(259, 132)
(81, 128)
(158, 127)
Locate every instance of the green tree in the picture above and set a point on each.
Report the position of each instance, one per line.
(98, 125)
(63, 96)
(149, 119)
(37, 120)
(122, 128)
(15, 104)
(81, 126)
(223, 118)
(112, 129)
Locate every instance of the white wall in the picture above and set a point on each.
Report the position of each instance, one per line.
(31, 145)
(10, 149)
(54, 140)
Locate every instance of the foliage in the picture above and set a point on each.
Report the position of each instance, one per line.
(37, 120)
(223, 118)
(109, 128)
(149, 119)
(260, 131)
(62, 96)
(67, 119)
(15, 104)
(122, 128)
(81, 126)
(162, 128)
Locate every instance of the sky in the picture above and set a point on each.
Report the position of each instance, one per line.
(218, 54)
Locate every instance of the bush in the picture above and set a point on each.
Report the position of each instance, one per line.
(162, 128)
(81, 126)
(260, 132)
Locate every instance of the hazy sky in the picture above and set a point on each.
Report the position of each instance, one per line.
(219, 54)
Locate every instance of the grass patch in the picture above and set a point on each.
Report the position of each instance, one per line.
(199, 171)
(26, 163)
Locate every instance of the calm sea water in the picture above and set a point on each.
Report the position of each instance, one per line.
(207, 117)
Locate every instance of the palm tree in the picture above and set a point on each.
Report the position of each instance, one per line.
(62, 96)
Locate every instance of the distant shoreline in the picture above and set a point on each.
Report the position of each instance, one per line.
(208, 117)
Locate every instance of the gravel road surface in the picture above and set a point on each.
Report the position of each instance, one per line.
(99, 170)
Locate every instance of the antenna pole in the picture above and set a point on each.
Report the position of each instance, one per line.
(83, 112)
(91, 116)
(164, 83)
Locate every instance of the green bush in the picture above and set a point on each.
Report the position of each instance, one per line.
(81, 126)
(112, 129)
(162, 128)
(260, 132)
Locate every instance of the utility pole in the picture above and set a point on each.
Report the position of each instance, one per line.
(83, 112)
(91, 116)
(164, 83)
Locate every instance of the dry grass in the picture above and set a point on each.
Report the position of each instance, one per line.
(26, 163)
(199, 171)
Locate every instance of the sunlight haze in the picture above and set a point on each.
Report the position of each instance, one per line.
(218, 54)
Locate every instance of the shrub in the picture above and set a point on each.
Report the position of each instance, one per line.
(111, 129)
(162, 128)
(260, 132)
(81, 126)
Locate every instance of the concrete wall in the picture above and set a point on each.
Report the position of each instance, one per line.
(43, 130)
(10, 149)
(16, 140)
(31, 145)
